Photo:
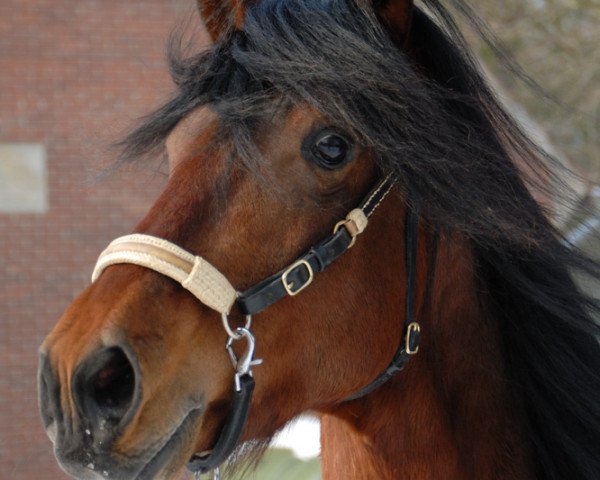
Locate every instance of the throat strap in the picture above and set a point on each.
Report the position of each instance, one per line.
(411, 331)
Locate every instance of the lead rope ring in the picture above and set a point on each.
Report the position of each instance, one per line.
(231, 333)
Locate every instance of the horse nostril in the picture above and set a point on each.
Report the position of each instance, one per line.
(112, 386)
(105, 386)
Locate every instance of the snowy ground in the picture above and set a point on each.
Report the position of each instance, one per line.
(301, 436)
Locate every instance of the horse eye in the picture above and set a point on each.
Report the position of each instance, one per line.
(329, 150)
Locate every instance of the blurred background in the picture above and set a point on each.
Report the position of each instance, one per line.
(76, 74)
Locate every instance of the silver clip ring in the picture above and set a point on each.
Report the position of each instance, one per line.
(234, 333)
(242, 365)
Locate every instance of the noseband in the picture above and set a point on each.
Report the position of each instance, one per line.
(213, 289)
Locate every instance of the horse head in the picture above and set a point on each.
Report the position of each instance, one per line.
(342, 182)
(135, 378)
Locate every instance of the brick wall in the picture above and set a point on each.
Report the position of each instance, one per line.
(74, 74)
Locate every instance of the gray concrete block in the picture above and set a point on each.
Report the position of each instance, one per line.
(23, 178)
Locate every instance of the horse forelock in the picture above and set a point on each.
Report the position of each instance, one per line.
(336, 58)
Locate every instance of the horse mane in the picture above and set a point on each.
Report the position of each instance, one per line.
(431, 119)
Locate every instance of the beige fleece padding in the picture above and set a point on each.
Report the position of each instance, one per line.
(358, 217)
(194, 273)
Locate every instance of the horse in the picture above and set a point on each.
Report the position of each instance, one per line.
(348, 229)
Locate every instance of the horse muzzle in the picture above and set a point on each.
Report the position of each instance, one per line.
(86, 422)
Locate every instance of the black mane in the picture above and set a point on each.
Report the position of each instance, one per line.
(435, 123)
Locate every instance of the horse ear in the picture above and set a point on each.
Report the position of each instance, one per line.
(396, 15)
(222, 15)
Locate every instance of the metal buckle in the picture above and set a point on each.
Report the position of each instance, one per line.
(290, 285)
(351, 231)
(413, 329)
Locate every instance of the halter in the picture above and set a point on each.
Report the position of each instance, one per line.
(213, 289)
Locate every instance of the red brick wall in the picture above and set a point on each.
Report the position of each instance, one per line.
(73, 75)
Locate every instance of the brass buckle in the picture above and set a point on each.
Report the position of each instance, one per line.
(352, 232)
(289, 285)
(413, 328)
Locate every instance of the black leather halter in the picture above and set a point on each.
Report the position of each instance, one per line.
(291, 281)
(295, 278)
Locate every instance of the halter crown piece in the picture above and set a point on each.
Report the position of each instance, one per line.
(214, 290)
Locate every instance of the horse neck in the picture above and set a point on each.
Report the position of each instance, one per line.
(448, 414)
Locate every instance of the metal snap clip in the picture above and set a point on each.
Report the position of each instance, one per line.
(242, 365)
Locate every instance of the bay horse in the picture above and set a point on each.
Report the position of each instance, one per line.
(350, 205)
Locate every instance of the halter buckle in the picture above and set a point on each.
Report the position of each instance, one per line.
(413, 336)
(289, 286)
(350, 227)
